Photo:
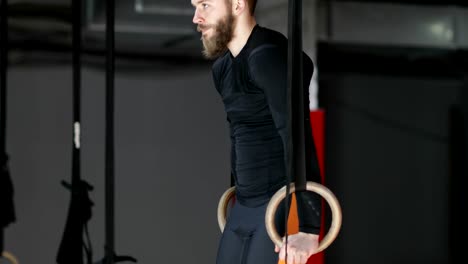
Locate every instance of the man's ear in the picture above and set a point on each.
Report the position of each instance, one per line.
(239, 6)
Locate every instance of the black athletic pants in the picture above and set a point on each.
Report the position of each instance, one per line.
(245, 239)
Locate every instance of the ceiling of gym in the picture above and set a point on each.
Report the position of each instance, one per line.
(162, 27)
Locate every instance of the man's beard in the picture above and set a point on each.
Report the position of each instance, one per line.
(216, 45)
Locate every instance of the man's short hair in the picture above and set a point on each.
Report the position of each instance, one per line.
(252, 5)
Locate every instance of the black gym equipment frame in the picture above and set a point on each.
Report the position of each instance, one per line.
(110, 256)
(8, 215)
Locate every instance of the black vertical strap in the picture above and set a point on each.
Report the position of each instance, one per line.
(296, 140)
(298, 105)
(109, 170)
(3, 92)
(3, 71)
(80, 187)
(71, 246)
(76, 57)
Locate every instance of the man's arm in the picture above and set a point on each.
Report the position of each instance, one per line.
(268, 70)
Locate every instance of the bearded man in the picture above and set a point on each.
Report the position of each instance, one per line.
(250, 74)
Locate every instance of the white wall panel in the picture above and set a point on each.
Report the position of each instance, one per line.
(391, 24)
(462, 28)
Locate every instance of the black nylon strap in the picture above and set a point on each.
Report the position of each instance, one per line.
(76, 57)
(77, 182)
(71, 246)
(296, 104)
(298, 107)
(296, 166)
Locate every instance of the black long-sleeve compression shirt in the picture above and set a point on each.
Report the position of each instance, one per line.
(253, 87)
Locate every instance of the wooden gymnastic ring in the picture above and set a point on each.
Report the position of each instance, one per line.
(222, 207)
(10, 257)
(314, 187)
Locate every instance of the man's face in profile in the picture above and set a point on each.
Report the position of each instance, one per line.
(216, 23)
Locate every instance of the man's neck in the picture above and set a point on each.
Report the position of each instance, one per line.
(241, 34)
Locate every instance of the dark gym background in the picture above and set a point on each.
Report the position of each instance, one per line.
(394, 93)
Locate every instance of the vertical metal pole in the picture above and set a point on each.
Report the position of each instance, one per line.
(3, 85)
(458, 175)
(109, 169)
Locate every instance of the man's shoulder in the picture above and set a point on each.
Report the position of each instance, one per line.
(264, 36)
(266, 40)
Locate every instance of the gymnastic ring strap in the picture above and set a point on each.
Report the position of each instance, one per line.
(313, 187)
(222, 207)
(10, 257)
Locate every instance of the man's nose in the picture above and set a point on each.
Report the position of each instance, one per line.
(197, 19)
